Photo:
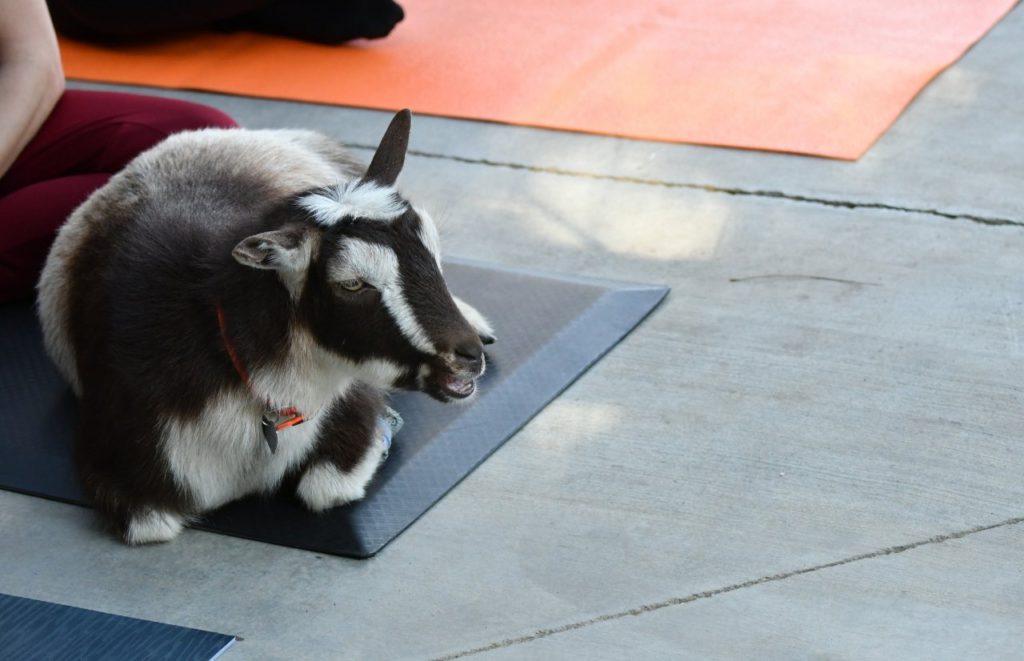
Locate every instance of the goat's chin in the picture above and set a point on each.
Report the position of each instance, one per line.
(461, 395)
(449, 388)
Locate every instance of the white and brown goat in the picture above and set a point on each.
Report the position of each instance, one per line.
(229, 284)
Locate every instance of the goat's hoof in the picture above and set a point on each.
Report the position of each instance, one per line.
(153, 526)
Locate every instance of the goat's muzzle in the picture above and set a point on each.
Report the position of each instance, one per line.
(456, 378)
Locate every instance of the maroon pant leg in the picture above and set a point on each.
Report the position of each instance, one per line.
(25, 245)
(88, 137)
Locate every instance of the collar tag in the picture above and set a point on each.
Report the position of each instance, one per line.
(274, 421)
(268, 423)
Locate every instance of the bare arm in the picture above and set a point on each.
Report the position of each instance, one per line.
(31, 78)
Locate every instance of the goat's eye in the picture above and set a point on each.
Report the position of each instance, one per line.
(352, 285)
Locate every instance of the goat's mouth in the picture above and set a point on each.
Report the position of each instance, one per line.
(446, 382)
(458, 387)
(448, 385)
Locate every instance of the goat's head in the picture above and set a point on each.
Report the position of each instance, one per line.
(364, 271)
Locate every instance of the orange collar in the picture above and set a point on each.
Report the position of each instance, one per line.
(280, 419)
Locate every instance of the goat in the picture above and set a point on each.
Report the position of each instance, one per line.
(228, 285)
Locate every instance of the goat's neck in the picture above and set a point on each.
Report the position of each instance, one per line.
(306, 376)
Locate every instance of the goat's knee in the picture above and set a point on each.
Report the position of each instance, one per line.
(325, 485)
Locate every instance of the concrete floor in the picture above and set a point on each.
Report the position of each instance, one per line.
(811, 450)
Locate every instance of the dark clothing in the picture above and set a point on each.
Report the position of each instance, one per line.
(319, 21)
(87, 138)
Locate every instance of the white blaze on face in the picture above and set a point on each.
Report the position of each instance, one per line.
(377, 265)
(429, 235)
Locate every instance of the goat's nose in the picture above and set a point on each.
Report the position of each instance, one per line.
(470, 350)
(469, 353)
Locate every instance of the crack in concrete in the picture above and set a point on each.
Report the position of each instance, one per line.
(795, 276)
(677, 601)
(707, 188)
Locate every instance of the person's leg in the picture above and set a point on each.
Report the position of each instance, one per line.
(325, 21)
(320, 21)
(88, 137)
(31, 217)
(111, 20)
(90, 132)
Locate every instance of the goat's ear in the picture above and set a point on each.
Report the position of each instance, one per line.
(390, 155)
(287, 249)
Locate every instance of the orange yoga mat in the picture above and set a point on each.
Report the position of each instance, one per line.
(823, 77)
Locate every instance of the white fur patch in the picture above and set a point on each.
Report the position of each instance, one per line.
(54, 304)
(222, 455)
(314, 376)
(378, 265)
(294, 280)
(309, 379)
(475, 318)
(55, 282)
(429, 235)
(378, 372)
(356, 199)
(422, 375)
(153, 526)
(325, 486)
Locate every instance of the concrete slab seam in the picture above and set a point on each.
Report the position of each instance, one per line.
(677, 601)
(707, 188)
(797, 276)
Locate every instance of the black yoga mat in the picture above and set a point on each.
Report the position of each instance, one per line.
(550, 330)
(31, 629)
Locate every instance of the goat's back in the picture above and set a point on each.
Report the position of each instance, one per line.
(128, 267)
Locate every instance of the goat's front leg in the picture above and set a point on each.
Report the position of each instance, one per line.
(351, 446)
